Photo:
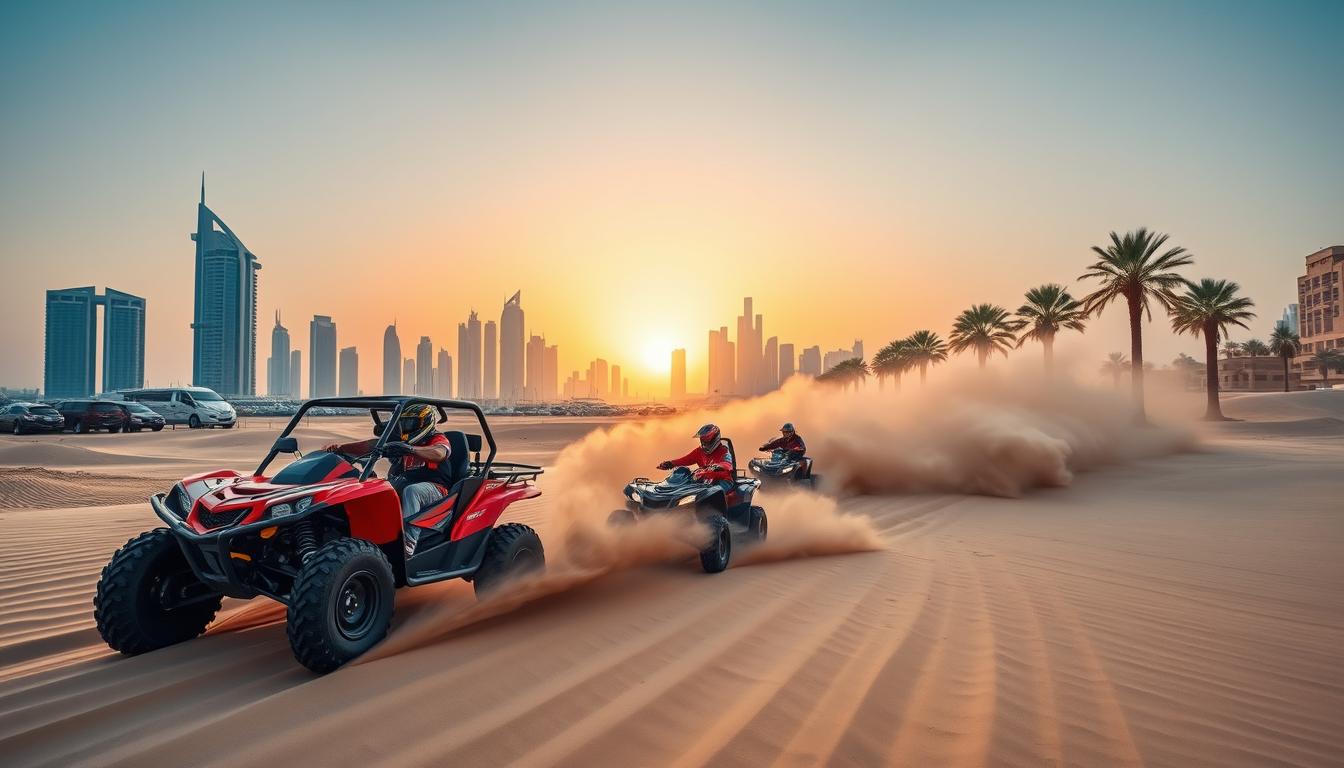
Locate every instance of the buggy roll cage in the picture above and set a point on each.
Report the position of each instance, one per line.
(394, 405)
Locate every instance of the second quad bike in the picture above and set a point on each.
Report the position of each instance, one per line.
(781, 468)
(727, 512)
(324, 535)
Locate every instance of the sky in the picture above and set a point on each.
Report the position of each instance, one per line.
(862, 170)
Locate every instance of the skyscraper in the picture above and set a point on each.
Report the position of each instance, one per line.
(469, 358)
(443, 375)
(408, 373)
(424, 367)
(677, 392)
(511, 355)
(1290, 318)
(123, 340)
(550, 374)
(769, 377)
(536, 363)
(71, 341)
(71, 347)
(598, 373)
(224, 327)
(391, 361)
(321, 357)
(489, 367)
(277, 381)
(786, 362)
(809, 362)
(616, 391)
(722, 376)
(749, 335)
(296, 374)
(349, 372)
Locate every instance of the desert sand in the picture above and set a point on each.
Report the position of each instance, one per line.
(1003, 590)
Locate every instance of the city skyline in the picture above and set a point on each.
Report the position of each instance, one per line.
(804, 181)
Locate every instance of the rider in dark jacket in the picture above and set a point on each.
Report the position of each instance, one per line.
(788, 441)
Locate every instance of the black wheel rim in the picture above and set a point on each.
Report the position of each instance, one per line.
(357, 605)
(721, 545)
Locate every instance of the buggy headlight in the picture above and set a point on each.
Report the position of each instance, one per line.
(303, 504)
(281, 510)
(684, 500)
(635, 497)
(788, 469)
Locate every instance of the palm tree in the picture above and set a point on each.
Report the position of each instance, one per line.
(846, 372)
(1231, 349)
(1255, 348)
(1116, 364)
(1131, 268)
(1324, 361)
(1209, 307)
(891, 360)
(1048, 310)
(925, 348)
(1286, 344)
(984, 328)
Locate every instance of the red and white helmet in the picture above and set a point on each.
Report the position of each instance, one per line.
(709, 438)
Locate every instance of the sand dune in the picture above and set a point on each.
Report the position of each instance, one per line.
(1183, 610)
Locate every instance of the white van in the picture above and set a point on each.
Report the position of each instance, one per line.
(193, 406)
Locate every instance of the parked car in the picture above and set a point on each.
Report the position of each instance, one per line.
(91, 415)
(139, 416)
(21, 418)
(193, 406)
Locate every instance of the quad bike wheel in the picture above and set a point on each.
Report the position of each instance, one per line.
(621, 517)
(513, 550)
(759, 524)
(714, 557)
(128, 606)
(341, 604)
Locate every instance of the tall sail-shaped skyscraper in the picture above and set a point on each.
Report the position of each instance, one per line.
(511, 350)
(391, 361)
(224, 329)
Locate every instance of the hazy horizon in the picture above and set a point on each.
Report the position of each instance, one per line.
(861, 170)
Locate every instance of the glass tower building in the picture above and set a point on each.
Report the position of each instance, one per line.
(72, 342)
(224, 330)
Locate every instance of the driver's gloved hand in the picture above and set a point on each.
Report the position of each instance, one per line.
(396, 449)
(666, 465)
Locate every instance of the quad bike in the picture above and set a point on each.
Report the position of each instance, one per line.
(727, 512)
(781, 468)
(324, 536)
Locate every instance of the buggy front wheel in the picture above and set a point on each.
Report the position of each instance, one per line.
(341, 604)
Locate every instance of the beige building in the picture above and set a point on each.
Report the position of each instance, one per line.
(1255, 374)
(1319, 323)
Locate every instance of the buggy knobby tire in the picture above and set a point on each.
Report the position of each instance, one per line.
(716, 554)
(341, 604)
(513, 550)
(127, 605)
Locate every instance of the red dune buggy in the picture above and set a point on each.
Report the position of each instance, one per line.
(324, 536)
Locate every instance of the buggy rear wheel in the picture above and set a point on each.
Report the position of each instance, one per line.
(341, 604)
(513, 550)
(139, 583)
(715, 556)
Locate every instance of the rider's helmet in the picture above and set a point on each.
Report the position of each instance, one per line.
(415, 423)
(709, 438)
(787, 429)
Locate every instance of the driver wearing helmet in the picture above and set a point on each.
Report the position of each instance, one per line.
(416, 458)
(711, 456)
(788, 441)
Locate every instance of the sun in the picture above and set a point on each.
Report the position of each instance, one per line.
(656, 354)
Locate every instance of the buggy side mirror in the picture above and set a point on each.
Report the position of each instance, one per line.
(286, 445)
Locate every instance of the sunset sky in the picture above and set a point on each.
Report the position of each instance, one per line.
(862, 170)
